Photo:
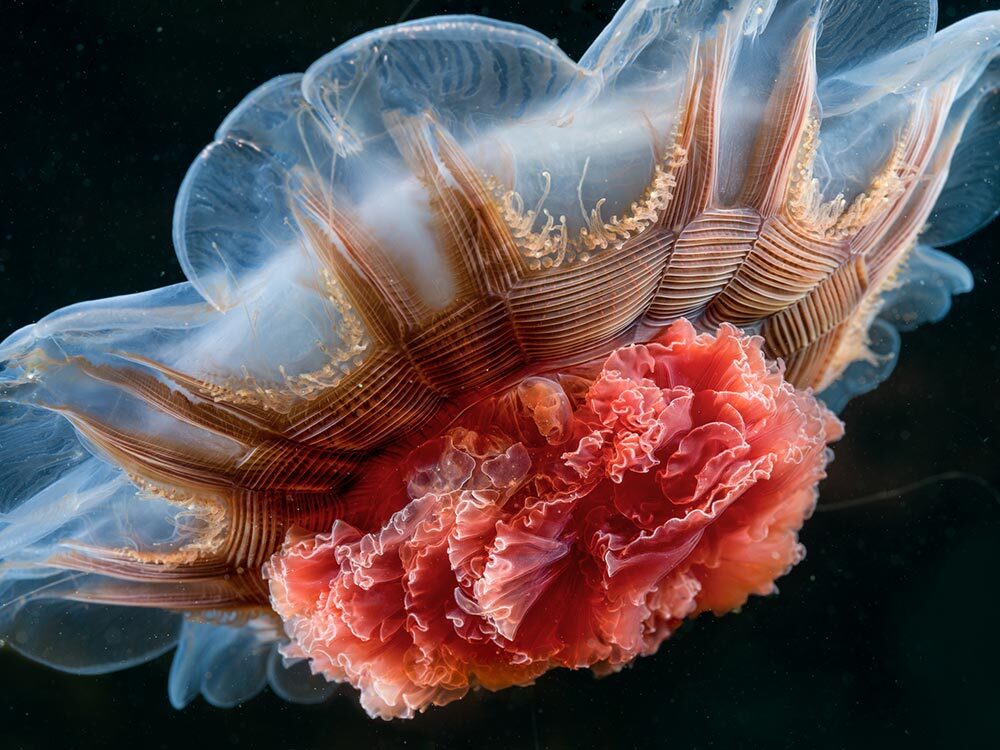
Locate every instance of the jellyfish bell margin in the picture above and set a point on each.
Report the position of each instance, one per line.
(473, 332)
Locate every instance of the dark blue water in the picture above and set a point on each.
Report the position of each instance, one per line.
(886, 635)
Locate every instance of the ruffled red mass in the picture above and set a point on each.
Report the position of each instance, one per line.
(573, 520)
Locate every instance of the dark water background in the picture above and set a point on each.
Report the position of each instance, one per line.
(886, 635)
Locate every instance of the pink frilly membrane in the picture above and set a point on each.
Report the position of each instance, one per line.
(573, 520)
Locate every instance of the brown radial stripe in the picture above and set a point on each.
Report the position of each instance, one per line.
(774, 154)
(916, 150)
(471, 346)
(885, 240)
(454, 224)
(382, 396)
(382, 324)
(800, 334)
(705, 257)
(172, 464)
(290, 467)
(258, 522)
(699, 130)
(783, 266)
(569, 309)
(231, 593)
(256, 417)
(199, 413)
(475, 243)
(498, 258)
(336, 219)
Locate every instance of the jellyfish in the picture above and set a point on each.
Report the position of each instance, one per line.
(490, 362)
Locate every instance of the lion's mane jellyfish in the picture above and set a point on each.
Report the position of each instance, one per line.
(489, 361)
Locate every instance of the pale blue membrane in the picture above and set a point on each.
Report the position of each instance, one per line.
(928, 282)
(255, 308)
(53, 492)
(229, 665)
